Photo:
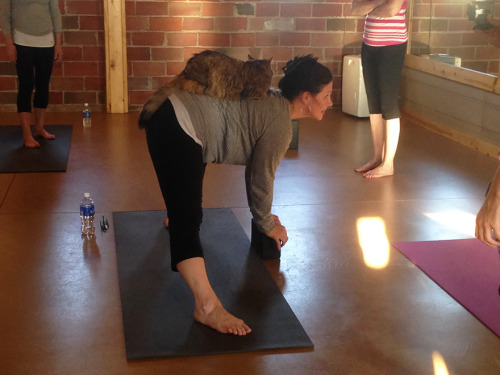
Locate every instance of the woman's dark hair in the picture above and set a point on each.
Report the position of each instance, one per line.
(303, 74)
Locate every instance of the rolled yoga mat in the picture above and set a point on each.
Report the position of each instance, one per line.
(467, 270)
(51, 156)
(157, 305)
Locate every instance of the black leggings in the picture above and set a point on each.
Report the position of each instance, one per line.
(34, 68)
(178, 162)
(382, 72)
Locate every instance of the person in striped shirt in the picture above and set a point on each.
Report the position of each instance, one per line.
(382, 56)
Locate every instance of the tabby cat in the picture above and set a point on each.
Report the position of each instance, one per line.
(215, 74)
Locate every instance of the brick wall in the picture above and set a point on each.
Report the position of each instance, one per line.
(162, 35)
(442, 26)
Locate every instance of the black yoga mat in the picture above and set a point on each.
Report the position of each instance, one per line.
(51, 156)
(157, 305)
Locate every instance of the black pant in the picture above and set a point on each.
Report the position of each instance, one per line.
(382, 72)
(34, 68)
(178, 162)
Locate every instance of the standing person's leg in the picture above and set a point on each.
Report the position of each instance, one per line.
(369, 58)
(44, 63)
(26, 81)
(179, 167)
(392, 61)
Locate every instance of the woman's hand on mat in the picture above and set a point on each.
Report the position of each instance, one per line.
(278, 233)
(488, 221)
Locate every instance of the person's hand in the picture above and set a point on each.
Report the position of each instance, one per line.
(58, 52)
(11, 52)
(488, 221)
(278, 233)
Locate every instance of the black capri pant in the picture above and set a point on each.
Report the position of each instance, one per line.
(179, 166)
(382, 73)
(34, 68)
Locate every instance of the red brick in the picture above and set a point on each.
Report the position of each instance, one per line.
(79, 97)
(174, 68)
(75, 38)
(267, 10)
(138, 97)
(130, 8)
(277, 53)
(95, 83)
(55, 97)
(79, 69)
(66, 83)
(157, 82)
(185, 9)
(138, 83)
(326, 39)
(57, 69)
(182, 39)
(72, 53)
(327, 10)
(256, 24)
(143, 8)
(295, 39)
(165, 23)
(317, 24)
(231, 23)
(301, 51)
(295, 10)
(243, 40)
(217, 9)
(138, 53)
(91, 53)
(267, 39)
(196, 23)
(446, 39)
(141, 68)
(148, 39)
(214, 40)
(84, 7)
(91, 23)
(8, 83)
(137, 23)
(170, 54)
(448, 11)
(190, 51)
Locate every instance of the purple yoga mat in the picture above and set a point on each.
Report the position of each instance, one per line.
(467, 270)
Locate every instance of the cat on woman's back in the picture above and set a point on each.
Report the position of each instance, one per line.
(217, 75)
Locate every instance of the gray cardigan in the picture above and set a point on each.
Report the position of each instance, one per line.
(33, 17)
(254, 133)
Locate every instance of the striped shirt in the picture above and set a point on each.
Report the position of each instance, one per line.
(381, 31)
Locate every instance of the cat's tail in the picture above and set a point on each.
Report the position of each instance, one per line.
(156, 100)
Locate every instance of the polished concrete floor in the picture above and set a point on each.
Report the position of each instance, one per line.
(60, 305)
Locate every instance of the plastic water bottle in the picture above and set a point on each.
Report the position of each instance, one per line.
(87, 120)
(87, 213)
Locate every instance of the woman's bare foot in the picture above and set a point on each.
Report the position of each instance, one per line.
(368, 166)
(44, 134)
(222, 321)
(378, 172)
(30, 142)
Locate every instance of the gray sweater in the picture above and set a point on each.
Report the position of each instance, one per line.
(33, 17)
(254, 133)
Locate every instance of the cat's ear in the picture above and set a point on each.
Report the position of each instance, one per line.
(270, 60)
(250, 57)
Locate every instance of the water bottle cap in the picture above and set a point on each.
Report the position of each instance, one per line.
(86, 104)
(86, 195)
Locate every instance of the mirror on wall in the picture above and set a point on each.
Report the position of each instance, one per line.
(449, 31)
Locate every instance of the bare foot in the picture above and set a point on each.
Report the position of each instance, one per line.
(29, 142)
(368, 166)
(379, 172)
(222, 321)
(44, 134)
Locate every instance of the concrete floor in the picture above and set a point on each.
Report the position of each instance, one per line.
(60, 306)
